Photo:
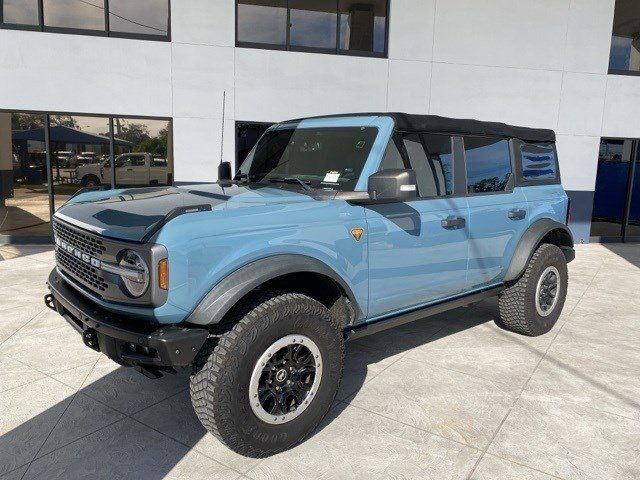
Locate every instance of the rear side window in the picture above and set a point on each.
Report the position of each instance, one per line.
(488, 164)
(538, 162)
(430, 155)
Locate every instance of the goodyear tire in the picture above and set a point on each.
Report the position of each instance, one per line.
(273, 375)
(531, 306)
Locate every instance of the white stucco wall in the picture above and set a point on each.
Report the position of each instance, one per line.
(541, 64)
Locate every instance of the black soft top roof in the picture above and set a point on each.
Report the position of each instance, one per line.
(432, 123)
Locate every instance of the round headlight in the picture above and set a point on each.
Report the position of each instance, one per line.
(138, 281)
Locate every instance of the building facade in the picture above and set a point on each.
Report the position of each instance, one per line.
(159, 91)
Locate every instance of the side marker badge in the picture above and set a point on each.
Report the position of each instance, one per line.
(357, 232)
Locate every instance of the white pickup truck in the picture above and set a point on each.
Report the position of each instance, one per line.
(131, 169)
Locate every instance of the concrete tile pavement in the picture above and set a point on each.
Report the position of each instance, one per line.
(453, 396)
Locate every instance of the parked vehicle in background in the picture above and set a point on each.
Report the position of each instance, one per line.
(67, 159)
(334, 228)
(132, 169)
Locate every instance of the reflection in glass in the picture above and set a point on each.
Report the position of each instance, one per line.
(633, 228)
(20, 12)
(611, 187)
(143, 152)
(247, 135)
(538, 161)
(363, 25)
(313, 23)
(79, 154)
(148, 17)
(625, 40)
(24, 197)
(488, 164)
(81, 14)
(262, 21)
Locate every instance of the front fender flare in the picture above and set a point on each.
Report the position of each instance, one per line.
(530, 241)
(215, 304)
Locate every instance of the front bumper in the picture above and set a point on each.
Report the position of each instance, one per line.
(150, 348)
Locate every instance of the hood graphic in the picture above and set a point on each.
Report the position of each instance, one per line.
(132, 214)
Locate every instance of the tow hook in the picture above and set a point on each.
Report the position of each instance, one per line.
(50, 302)
(90, 338)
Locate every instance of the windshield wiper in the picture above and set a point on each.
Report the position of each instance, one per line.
(305, 184)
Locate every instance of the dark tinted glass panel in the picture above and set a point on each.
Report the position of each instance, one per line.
(247, 135)
(21, 12)
(24, 197)
(439, 153)
(262, 21)
(363, 25)
(80, 14)
(625, 43)
(149, 17)
(610, 194)
(79, 154)
(392, 158)
(324, 157)
(143, 152)
(538, 161)
(313, 23)
(427, 183)
(633, 229)
(488, 164)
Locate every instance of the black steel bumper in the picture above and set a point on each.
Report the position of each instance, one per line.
(131, 342)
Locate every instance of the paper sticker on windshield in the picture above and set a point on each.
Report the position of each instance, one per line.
(331, 177)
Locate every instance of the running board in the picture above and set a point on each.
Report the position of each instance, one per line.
(375, 326)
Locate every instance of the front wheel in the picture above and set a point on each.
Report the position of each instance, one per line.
(532, 305)
(272, 378)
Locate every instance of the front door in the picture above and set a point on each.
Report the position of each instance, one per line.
(418, 249)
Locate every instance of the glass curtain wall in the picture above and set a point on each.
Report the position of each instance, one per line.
(80, 150)
(616, 202)
(624, 57)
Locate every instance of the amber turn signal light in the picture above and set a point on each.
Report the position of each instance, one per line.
(163, 274)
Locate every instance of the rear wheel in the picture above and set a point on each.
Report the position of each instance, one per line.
(532, 305)
(90, 181)
(272, 377)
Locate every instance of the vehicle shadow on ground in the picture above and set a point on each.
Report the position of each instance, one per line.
(628, 251)
(76, 438)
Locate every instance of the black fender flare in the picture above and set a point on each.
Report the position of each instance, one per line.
(530, 241)
(222, 297)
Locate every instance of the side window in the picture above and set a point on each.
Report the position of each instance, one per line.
(158, 162)
(392, 158)
(440, 155)
(488, 164)
(427, 183)
(137, 161)
(538, 162)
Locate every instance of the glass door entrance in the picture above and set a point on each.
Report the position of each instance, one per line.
(616, 202)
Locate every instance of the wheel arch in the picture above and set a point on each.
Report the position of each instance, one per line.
(541, 231)
(289, 271)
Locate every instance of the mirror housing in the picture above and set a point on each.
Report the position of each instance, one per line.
(224, 171)
(393, 185)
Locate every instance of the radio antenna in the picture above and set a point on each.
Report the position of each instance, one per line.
(224, 104)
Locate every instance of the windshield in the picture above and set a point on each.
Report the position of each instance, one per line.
(323, 157)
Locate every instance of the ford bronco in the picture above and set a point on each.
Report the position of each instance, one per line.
(333, 228)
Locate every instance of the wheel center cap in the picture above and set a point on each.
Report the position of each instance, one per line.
(281, 375)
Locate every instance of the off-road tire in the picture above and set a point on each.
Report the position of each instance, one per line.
(90, 181)
(220, 383)
(517, 304)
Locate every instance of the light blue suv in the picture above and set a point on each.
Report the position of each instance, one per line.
(333, 228)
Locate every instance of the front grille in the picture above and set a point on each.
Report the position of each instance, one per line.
(86, 243)
(89, 275)
(83, 271)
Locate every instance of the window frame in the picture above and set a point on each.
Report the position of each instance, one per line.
(516, 156)
(328, 51)
(107, 32)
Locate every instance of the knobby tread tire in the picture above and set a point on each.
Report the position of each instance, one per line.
(222, 368)
(517, 310)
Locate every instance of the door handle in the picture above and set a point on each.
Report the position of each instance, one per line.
(517, 214)
(453, 223)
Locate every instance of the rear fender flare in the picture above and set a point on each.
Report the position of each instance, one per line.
(528, 244)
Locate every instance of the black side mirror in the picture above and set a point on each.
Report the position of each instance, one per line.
(394, 185)
(224, 171)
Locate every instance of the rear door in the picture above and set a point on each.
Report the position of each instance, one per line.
(418, 249)
(158, 171)
(498, 210)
